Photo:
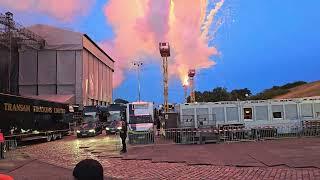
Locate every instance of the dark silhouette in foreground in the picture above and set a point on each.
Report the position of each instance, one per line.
(88, 169)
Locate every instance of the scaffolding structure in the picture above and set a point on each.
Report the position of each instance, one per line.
(9, 29)
(191, 74)
(14, 37)
(165, 53)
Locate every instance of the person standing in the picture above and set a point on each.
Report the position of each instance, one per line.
(123, 135)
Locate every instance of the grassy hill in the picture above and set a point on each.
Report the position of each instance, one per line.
(305, 90)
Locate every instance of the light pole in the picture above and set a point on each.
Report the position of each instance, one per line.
(138, 64)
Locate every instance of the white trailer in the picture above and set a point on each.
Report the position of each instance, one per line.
(253, 113)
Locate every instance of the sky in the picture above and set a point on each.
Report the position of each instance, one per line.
(257, 45)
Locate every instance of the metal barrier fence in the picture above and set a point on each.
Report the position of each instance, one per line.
(180, 136)
(141, 137)
(223, 134)
(10, 145)
(73, 127)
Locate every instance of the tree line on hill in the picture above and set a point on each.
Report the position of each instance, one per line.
(222, 94)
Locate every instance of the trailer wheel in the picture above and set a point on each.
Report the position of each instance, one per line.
(59, 136)
(54, 137)
(49, 137)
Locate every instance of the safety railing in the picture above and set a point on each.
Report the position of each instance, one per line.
(180, 136)
(201, 120)
(10, 145)
(233, 133)
(141, 137)
(72, 128)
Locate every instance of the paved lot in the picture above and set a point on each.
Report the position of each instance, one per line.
(295, 153)
(214, 161)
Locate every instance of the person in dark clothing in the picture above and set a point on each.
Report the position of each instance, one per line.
(158, 123)
(88, 169)
(123, 135)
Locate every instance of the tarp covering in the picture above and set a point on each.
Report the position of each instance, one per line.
(57, 38)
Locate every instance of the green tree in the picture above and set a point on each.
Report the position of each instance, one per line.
(219, 94)
(121, 101)
(240, 94)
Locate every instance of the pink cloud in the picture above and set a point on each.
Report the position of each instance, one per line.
(65, 10)
(139, 26)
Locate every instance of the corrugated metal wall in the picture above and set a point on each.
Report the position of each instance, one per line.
(97, 80)
(67, 72)
(28, 72)
(4, 56)
(49, 72)
(11, 65)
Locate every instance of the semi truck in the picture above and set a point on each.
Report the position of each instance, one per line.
(116, 111)
(27, 119)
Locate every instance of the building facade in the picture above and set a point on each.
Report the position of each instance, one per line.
(71, 68)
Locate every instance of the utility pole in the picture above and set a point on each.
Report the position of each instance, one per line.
(138, 64)
(165, 53)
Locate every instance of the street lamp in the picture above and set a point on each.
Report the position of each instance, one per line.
(138, 64)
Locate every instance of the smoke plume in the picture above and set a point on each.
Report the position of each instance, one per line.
(139, 26)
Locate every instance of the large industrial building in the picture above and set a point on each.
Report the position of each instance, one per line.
(68, 68)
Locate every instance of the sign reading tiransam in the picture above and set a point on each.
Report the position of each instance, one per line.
(30, 108)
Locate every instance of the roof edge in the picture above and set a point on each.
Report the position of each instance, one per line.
(85, 35)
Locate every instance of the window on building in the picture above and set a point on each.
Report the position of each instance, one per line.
(218, 114)
(247, 113)
(277, 115)
(261, 113)
(317, 109)
(232, 114)
(277, 111)
(291, 111)
(306, 110)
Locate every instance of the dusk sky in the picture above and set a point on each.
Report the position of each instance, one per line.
(259, 43)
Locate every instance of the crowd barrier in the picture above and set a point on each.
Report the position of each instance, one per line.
(224, 134)
(141, 137)
(10, 145)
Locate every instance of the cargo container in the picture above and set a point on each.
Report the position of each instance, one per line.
(27, 119)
